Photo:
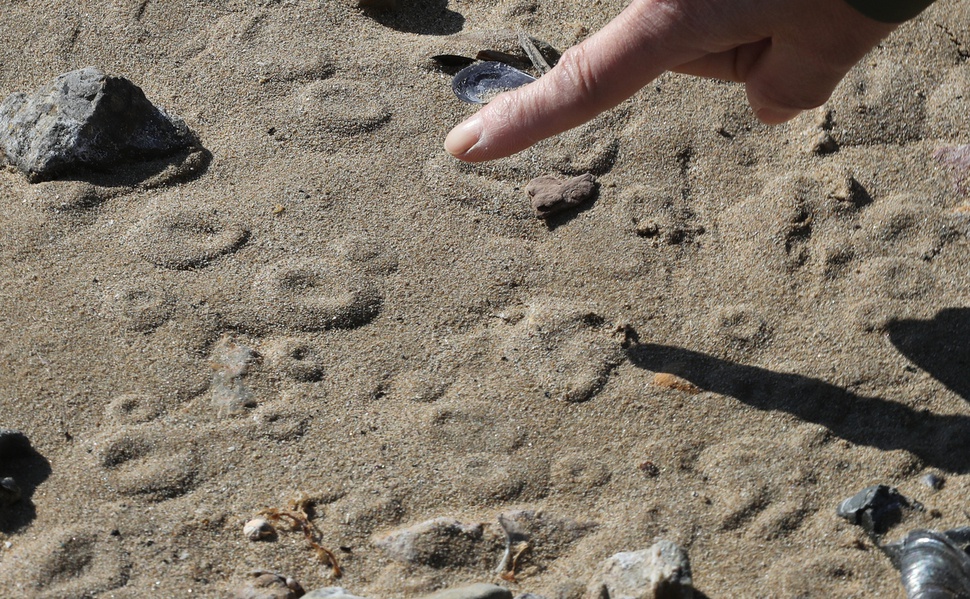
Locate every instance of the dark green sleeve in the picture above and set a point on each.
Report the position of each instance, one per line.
(890, 11)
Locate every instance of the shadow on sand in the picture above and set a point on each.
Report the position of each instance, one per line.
(425, 17)
(29, 469)
(940, 441)
(940, 346)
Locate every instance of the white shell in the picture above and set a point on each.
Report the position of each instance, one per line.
(258, 528)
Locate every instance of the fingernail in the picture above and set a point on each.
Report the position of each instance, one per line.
(775, 116)
(463, 137)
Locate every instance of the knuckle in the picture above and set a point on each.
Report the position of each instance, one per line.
(578, 75)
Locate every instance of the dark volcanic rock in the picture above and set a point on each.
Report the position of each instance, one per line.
(86, 119)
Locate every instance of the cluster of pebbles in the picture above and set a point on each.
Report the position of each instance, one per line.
(660, 572)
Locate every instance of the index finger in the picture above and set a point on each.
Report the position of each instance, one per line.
(609, 67)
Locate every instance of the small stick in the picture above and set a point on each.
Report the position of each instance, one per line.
(533, 53)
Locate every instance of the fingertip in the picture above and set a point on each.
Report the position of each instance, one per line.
(775, 116)
(464, 137)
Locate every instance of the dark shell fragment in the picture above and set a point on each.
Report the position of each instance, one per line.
(480, 82)
(933, 564)
(876, 509)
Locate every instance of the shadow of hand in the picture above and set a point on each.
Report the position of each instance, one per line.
(939, 440)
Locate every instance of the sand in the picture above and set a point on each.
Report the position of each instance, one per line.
(335, 309)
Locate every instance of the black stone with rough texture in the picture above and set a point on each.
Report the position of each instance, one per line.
(86, 119)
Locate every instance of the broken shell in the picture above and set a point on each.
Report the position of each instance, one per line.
(877, 508)
(933, 564)
(480, 82)
(258, 528)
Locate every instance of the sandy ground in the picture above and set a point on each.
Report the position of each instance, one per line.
(335, 309)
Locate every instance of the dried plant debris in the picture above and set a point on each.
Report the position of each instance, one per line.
(550, 194)
(536, 537)
(538, 60)
(296, 516)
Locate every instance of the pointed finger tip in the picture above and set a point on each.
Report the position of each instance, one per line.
(463, 138)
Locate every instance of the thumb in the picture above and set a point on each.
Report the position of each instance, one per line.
(799, 70)
(783, 82)
(590, 78)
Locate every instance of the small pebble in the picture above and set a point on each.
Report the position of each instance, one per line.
(259, 528)
(933, 480)
(551, 195)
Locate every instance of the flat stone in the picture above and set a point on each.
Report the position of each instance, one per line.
(82, 120)
(660, 572)
(474, 591)
(550, 194)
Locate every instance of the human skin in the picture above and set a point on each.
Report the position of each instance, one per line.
(790, 54)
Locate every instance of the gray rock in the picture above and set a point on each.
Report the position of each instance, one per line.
(439, 543)
(933, 480)
(529, 596)
(86, 119)
(330, 593)
(475, 591)
(660, 572)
